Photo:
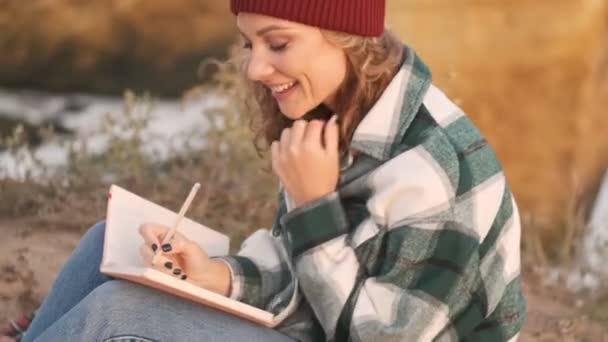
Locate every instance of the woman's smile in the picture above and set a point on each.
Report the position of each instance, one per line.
(283, 91)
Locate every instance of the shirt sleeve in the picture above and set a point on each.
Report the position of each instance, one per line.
(259, 271)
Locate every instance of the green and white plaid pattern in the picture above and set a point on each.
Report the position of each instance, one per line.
(421, 241)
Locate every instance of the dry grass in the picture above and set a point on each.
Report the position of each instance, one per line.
(238, 191)
(109, 45)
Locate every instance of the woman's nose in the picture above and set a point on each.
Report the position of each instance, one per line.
(258, 68)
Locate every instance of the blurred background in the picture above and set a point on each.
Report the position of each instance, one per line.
(105, 91)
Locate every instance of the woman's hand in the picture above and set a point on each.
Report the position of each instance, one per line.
(306, 159)
(183, 258)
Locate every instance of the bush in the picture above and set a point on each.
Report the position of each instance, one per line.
(238, 191)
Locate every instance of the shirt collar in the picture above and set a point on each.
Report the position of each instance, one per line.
(384, 125)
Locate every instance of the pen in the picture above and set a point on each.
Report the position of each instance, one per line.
(171, 233)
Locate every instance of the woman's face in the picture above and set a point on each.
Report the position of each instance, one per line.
(295, 61)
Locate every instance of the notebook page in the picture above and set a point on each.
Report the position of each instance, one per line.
(127, 211)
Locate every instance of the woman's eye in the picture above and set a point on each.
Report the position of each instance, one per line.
(247, 45)
(278, 47)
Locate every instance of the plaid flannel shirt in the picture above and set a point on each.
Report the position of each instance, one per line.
(420, 241)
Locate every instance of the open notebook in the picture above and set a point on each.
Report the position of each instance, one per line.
(121, 259)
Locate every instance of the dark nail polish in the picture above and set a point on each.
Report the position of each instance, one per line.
(166, 247)
(177, 271)
(184, 277)
(169, 265)
(154, 247)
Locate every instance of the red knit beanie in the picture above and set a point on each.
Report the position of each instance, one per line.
(359, 17)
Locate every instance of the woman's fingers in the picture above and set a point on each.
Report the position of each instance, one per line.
(312, 137)
(274, 154)
(155, 259)
(153, 234)
(285, 139)
(167, 265)
(297, 132)
(180, 245)
(332, 133)
(177, 256)
(147, 254)
(161, 262)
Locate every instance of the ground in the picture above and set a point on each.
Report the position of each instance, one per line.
(30, 258)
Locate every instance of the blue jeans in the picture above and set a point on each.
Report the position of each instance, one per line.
(85, 305)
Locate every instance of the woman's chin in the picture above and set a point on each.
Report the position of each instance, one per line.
(294, 114)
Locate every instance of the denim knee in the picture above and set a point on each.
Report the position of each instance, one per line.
(122, 301)
(122, 311)
(114, 307)
(113, 296)
(128, 338)
(94, 236)
(96, 231)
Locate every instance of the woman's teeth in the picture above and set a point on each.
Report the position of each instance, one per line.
(282, 88)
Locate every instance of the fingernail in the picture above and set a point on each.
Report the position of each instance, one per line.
(154, 247)
(184, 277)
(166, 247)
(177, 271)
(169, 265)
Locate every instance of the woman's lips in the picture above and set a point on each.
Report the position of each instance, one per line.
(281, 96)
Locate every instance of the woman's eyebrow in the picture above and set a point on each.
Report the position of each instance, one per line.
(269, 28)
(265, 30)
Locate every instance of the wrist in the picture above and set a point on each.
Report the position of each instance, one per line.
(217, 278)
(300, 202)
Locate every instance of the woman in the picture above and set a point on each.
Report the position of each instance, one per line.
(395, 221)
